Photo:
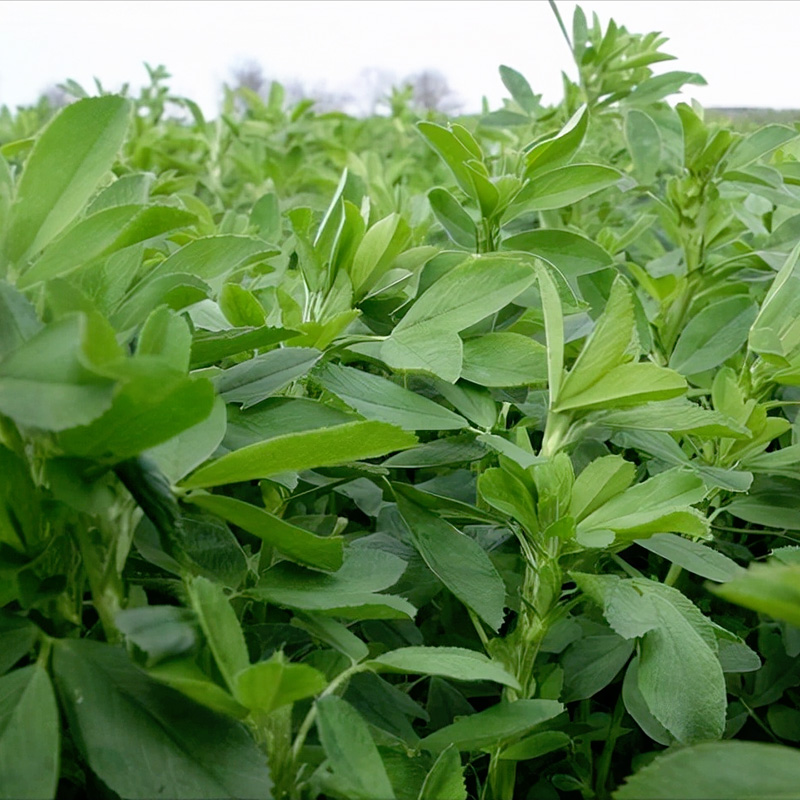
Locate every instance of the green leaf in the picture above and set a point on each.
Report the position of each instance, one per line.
(561, 187)
(378, 398)
(775, 334)
(674, 416)
(771, 589)
(175, 290)
(609, 345)
(554, 331)
(592, 663)
(209, 347)
(381, 244)
(179, 455)
(570, 253)
(22, 523)
(455, 450)
(17, 635)
(657, 87)
(148, 410)
(241, 307)
(323, 447)
(636, 706)
(504, 359)
(351, 752)
(717, 771)
(47, 383)
(699, 559)
(29, 735)
(659, 504)
(600, 480)
(626, 385)
(459, 156)
(144, 739)
(539, 744)
(333, 633)
(458, 561)
(220, 626)
(300, 545)
(183, 675)
(101, 235)
(475, 403)
(714, 335)
(450, 214)
(352, 592)
(426, 338)
(519, 88)
(678, 649)
(447, 662)
(278, 416)
(770, 509)
(644, 142)
(758, 144)
(506, 493)
(128, 190)
(270, 684)
(67, 163)
(488, 729)
(445, 780)
(209, 257)
(167, 335)
(162, 632)
(630, 609)
(558, 149)
(255, 380)
(681, 679)
(18, 321)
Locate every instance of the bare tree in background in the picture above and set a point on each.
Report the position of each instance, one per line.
(432, 92)
(372, 93)
(250, 75)
(56, 96)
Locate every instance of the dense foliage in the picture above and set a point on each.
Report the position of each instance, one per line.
(397, 458)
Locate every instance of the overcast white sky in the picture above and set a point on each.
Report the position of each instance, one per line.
(746, 49)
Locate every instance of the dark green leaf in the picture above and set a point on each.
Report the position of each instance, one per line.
(29, 735)
(144, 739)
(458, 561)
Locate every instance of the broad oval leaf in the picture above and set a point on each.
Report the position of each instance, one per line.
(375, 397)
(458, 561)
(714, 335)
(302, 546)
(144, 739)
(323, 447)
(504, 359)
(29, 735)
(64, 168)
(457, 663)
(457, 223)
(717, 771)
(502, 722)
(570, 253)
(351, 751)
(561, 187)
(772, 589)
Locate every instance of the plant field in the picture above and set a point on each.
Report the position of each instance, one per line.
(401, 457)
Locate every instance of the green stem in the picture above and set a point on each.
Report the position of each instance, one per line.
(308, 721)
(673, 575)
(556, 430)
(604, 762)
